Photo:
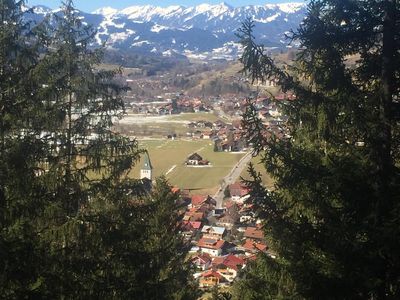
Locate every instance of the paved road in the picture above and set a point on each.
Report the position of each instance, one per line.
(232, 177)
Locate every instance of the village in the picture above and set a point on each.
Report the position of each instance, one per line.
(224, 235)
(222, 239)
(221, 229)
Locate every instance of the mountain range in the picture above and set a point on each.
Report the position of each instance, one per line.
(203, 31)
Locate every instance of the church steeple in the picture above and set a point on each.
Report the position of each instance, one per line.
(147, 168)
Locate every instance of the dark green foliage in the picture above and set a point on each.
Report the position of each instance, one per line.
(333, 216)
(18, 188)
(72, 223)
(264, 279)
(218, 295)
(165, 274)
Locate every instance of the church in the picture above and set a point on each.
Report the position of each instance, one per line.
(146, 170)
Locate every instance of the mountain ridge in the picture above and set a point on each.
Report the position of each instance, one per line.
(202, 31)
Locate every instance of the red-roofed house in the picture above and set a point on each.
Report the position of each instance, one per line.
(251, 247)
(205, 202)
(197, 200)
(201, 261)
(211, 246)
(189, 228)
(194, 215)
(228, 266)
(195, 224)
(254, 233)
(229, 260)
(210, 278)
(237, 191)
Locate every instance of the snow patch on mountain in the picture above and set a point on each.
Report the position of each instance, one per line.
(268, 19)
(120, 36)
(158, 28)
(141, 43)
(291, 8)
(105, 11)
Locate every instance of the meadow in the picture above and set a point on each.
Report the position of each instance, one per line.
(168, 158)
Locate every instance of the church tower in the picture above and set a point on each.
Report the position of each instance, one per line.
(147, 169)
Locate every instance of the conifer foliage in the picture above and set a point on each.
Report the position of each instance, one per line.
(333, 215)
(73, 224)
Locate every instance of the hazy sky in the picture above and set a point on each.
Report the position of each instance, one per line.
(91, 5)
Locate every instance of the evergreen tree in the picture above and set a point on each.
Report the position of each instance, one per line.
(73, 224)
(333, 216)
(85, 164)
(164, 272)
(19, 189)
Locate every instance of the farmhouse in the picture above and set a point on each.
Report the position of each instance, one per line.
(196, 160)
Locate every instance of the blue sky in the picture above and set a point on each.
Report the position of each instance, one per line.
(91, 5)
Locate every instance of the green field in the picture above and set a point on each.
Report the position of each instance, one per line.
(165, 154)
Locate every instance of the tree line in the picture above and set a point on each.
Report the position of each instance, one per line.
(73, 223)
(333, 217)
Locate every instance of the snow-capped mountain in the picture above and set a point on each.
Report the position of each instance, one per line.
(203, 31)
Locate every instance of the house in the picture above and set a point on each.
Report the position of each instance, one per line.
(213, 232)
(254, 233)
(237, 191)
(230, 217)
(228, 266)
(248, 217)
(210, 278)
(201, 261)
(227, 272)
(194, 215)
(196, 160)
(251, 247)
(189, 228)
(199, 201)
(213, 247)
(226, 221)
(195, 224)
(229, 260)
